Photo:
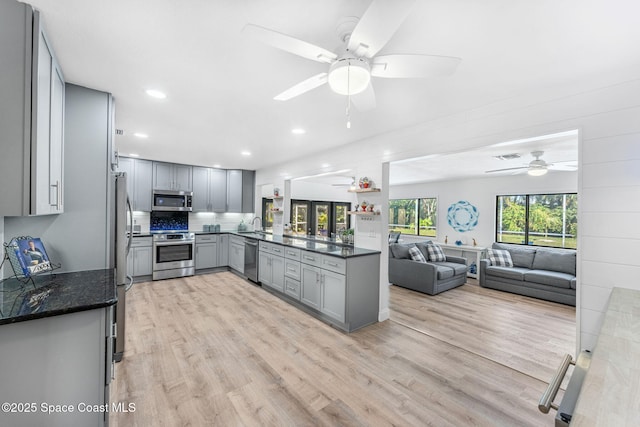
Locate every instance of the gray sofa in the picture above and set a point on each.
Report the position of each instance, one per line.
(545, 273)
(430, 277)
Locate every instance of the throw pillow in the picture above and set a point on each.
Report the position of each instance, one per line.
(399, 251)
(416, 255)
(500, 257)
(436, 254)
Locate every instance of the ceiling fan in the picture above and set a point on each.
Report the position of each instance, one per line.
(350, 70)
(539, 167)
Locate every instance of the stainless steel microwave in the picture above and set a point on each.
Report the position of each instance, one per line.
(170, 200)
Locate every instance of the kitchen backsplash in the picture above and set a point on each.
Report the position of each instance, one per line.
(227, 221)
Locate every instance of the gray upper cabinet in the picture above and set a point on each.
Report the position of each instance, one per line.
(32, 119)
(240, 191)
(209, 189)
(139, 182)
(171, 176)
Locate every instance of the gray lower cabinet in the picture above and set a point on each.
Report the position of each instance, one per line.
(140, 258)
(236, 254)
(310, 286)
(206, 251)
(209, 189)
(334, 293)
(65, 359)
(172, 176)
(271, 266)
(32, 103)
(139, 182)
(223, 250)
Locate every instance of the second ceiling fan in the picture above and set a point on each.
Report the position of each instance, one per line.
(350, 71)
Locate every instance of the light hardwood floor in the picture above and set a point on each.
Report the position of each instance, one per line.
(216, 350)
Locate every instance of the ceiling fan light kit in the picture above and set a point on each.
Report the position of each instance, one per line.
(349, 76)
(537, 171)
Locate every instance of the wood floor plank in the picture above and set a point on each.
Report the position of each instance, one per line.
(217, 350)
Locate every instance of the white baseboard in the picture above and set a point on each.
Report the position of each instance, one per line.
(383, 315)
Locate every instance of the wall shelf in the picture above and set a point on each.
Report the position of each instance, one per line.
(363, 213)
(276, 197)
(364, 190)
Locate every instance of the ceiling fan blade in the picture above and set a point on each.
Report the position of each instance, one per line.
(302, 87)
(563, 168)
(365, 100)
(508, 169)
(377, 25)
(289, 44)
(413, 66)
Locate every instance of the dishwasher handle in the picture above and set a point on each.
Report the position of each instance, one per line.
(250, 242)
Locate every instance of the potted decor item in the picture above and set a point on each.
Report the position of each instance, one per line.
(364, 182)
(364, 205)
(276, 192)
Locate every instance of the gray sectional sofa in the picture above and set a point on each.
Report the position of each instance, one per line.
(545, 273)
(430, 277)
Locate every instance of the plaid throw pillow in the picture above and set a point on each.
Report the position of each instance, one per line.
(500, 257)
(436, 254)
(416, 255)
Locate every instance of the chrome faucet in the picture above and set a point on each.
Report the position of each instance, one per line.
(259, 228)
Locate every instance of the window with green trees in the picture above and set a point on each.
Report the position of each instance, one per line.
(538, 219)
(413, 216)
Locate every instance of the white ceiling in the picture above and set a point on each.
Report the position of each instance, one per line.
(220, 84)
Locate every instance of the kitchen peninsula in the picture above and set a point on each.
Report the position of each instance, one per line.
(56, 331)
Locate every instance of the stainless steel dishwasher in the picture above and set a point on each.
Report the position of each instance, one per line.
(251, 259)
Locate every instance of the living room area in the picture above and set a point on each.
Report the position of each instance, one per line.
(471, 202)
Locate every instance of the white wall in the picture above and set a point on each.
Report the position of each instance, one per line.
(482, 194)
(304, 190)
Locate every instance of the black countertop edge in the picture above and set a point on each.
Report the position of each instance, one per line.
(58, 294)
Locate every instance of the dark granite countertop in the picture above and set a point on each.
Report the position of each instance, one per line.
(326, 247)
(56, 294)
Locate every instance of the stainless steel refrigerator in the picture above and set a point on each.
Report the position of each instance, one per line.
(123, 235)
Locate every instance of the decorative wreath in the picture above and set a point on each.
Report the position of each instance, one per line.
(462, 216)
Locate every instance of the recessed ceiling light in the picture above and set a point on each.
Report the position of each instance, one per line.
(216, 166)
(245, 153)
(325, 165)
(298, 131)
(154, 93)
(134, 155)
(141, 135)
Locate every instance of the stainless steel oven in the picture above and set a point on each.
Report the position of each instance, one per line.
(173, 255)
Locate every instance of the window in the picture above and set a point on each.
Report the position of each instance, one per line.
(267, 214)
(413, 216)
(319, 218)
(538, 220)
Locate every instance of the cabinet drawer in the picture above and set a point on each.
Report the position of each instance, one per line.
(137, 242)
(265, 247)
(292, 269)
(277, 250)
(311, 258)
(208, 238)
(234, 240)
(337, 265)
(292, 253)
(292, 288)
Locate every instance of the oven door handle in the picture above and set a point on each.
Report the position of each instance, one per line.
(176, 243)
